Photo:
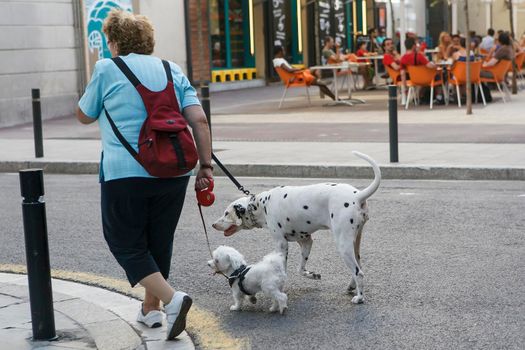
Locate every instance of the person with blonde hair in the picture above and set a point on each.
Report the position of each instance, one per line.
(444, 42)
(139, 211)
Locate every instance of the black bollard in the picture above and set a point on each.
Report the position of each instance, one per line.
(37, 254)
(37, 123)
(205, 100)
(392, 117)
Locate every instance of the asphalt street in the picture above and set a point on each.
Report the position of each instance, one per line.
(443, 262)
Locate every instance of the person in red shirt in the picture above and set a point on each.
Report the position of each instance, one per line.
(391, 57)
(413, 57)
(367, 72)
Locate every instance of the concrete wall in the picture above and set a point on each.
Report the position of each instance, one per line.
(500, 17)
(167, 17)
(37, 50)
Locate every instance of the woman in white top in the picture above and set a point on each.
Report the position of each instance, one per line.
(300, 74)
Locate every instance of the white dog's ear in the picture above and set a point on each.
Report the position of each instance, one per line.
(236, 259)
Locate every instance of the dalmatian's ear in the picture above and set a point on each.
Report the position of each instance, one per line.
(239, 210)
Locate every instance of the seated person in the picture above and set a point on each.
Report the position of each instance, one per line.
(503, 52)
(300, 74)
(328, 53)
(391, 57)
(413, 57)
(454, 46)
(461, 54)
(369, 71)
(444, 42)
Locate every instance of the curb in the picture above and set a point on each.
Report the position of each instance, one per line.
(389, 171)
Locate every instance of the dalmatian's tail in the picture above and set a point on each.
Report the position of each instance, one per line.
(367, 192)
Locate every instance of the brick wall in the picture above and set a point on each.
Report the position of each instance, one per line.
(200, 54)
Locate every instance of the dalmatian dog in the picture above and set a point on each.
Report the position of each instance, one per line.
(294, 213)
(267, 276)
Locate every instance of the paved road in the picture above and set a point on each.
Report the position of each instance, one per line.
(443, 265)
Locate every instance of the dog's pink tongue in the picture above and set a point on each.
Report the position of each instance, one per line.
(230, 231)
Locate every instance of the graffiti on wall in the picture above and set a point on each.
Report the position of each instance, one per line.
(96, 12)
(279, 18)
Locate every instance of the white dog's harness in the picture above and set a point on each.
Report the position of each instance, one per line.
(239, 274)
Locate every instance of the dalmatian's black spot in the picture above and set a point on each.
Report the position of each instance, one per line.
(281, 186)
(351, 221)
(293, 231)
(346, 205)
(287, 219)
(226, 213)
(302, 237)
(257, 204)
(332, 215)
(269, 196)
(353, 203)
(358, 226)
(356, 270)
(305, 207)
(358, 257)
(333, 185)
(279, 224)
(293, 234)
(355, 191)
(306, 258)
(265, 210)
(304, 233)
(308, 222)
(285, 195)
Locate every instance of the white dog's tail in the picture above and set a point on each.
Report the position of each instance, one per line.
(367, 192)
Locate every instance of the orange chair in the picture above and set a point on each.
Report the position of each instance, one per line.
(498, 72)
(423, 76)
(395, 75)
(459, 77)
(520, 59)
(290, 81)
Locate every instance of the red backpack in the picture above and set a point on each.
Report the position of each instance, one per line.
(166, 147)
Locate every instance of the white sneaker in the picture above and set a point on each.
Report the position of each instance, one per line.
(176, 312)
(152, 319)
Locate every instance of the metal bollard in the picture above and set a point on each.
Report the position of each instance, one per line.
(37, 123)
(37, 254)
(392, 121)
(205, 100)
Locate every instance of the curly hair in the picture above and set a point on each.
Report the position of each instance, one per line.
(131, 33)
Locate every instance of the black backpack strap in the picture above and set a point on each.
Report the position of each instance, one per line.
(121, 138)
(167, 68)
(127, 72)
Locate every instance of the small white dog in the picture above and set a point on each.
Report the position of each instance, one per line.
(294, 213)
(268, 276)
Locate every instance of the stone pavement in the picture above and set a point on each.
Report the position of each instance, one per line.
(73, 148)
(85, 318)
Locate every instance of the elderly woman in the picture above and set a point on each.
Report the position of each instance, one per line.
(140, 212)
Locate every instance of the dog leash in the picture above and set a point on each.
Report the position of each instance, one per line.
(232, 178)
(207, 238)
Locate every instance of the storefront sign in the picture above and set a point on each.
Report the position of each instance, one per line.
(95, 12)
(279, 25)
(324, 19)
(339, 16)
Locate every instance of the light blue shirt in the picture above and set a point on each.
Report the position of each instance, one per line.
(109, 88)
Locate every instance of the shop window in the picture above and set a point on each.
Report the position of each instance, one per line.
(229, 32)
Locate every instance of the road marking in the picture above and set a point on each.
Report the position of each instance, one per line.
(407, 194)
(203, 325)
(521, 195)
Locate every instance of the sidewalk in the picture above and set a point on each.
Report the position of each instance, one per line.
(246, 123)
(85, 318)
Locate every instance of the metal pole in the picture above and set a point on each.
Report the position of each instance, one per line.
(37, 254)
(205, 100)
(392, 117)
(37, 123)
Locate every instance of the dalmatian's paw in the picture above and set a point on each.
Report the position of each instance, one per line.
(351, 287)
(235, 308)
(358, 299)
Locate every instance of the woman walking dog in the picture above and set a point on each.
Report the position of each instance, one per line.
(140, 211)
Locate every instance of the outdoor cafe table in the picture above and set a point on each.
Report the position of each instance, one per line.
(376, 59)
(334, 68)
